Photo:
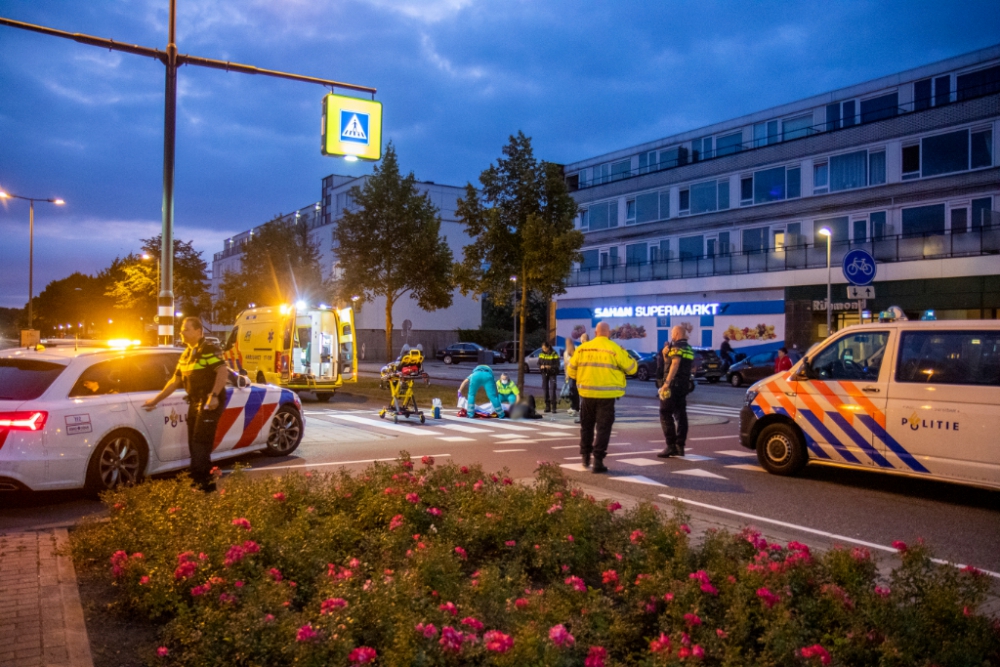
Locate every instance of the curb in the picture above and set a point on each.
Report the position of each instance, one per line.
(77, 642)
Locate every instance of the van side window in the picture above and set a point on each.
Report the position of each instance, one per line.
(854, 357)
(950, 357)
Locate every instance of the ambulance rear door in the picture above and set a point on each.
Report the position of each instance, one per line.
(944, 401)
(347, 353)
(323, 346)
(841, 402)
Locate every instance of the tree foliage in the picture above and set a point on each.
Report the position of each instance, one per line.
(136, 283)
(521, 225)
(280, 264)
(391, 245)
(79, 305)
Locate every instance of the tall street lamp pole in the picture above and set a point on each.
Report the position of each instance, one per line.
(825, 231)
(517, 360)
(31, 245)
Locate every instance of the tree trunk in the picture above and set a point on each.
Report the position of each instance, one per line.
(522, 323)
(388, 328)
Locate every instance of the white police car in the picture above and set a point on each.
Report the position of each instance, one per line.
(73, 418)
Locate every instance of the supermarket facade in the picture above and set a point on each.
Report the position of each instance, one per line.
(719, 229)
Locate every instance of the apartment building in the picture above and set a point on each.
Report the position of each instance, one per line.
(718, 228)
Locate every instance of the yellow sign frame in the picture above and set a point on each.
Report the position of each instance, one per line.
(352, 127)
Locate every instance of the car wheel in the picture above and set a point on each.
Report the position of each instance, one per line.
(736, 380)
(119, 459)
(780, 450)
(286, 432)
(324, 396)
(447, 359)
(642, 373)
(527, 369)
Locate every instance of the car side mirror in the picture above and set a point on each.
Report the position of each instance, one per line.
(239, 380)
(806, 372)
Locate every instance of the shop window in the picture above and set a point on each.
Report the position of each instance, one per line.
(923, 220)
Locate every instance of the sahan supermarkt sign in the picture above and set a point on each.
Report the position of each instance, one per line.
(671, 310)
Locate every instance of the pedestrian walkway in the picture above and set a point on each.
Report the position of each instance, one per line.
(41, 618)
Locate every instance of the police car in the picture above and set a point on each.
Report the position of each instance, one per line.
(913, 398)
(73, 418)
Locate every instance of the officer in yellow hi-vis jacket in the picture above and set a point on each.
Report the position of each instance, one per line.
(203, 374)
(599, 367)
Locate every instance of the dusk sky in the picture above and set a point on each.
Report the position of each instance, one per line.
(456, 78)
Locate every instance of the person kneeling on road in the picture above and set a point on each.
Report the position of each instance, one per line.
(482, 378)
(673, 393)
(509, 393)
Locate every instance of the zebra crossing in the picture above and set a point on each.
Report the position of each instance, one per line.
(706, 409)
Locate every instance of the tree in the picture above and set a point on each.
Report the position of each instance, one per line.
(280, 264)
(135, 284)
(78, 305)
(391, 245)
(522, 232)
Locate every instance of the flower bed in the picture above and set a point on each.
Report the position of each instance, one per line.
(419, 564)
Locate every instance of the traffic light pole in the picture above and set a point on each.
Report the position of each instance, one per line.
(172, 60)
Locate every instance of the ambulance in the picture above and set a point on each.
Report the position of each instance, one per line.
(295, 347)
(905, 397)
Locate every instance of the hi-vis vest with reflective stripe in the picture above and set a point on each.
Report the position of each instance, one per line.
(599, 367)
(509, 388)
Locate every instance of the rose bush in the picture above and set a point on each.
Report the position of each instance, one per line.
(335, 569)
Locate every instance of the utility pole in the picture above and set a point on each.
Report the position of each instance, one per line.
(172, 60)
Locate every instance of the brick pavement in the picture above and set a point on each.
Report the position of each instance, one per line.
(41, 618)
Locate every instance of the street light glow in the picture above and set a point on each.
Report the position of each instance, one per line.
(300, 305)
(58, 202)
(350, 158)
(825, 231)
(3, 195)
(145, 255)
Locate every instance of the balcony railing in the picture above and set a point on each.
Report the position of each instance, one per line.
(688, 155)
(900, 248)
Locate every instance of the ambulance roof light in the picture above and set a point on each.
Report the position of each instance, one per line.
(300, 305)
(284, 308)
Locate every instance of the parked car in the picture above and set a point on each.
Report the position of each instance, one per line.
(646, 362)
(531, 361)
(74, 417)
(457, 352)
(708, 364)
(753, 368)
(506, 351)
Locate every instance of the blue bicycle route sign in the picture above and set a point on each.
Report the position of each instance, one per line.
(859, 267)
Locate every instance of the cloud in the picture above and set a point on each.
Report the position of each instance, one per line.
(425, 11)
(445, 65)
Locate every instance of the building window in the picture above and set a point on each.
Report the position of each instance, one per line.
(983, 216)
(848, 171)
(945, 153)
(647, 162)
(729, 144)
(724, 245)
(723, 188)
(604, 215)
(879, 108)
(794, 235)
(833, 116)
(922, 94)
(620, 170)
(860, 231)
(584, 219)
(923, 220)
(661, 253)
(821, 177)
(838, 230)
(673, 157)
(754, 240)
(664, 204)
(959, 220)
(850, 118)
(636, 253)
(769, 185)
(701, 149)
(685, 203)
(942, 90)
(975, 84)
(879, 227)
(746, 190)
(590, 259)
(911, 161)
(982, 149)
(876, 168)
(573, 182)
(692, 247)
(710, 248)
(800, 126)
(602, 174)
(703, 197)
(765, 133)
(630, 212)
(646, 207)
(793, 185)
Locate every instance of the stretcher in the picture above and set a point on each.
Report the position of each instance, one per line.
(399, 377)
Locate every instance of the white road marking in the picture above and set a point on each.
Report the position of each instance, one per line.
(457, 438)
(506, 436)
(518, 442)
(377, 423)
(463, 429)
(558, 434)
(493, 423)
(746, 466)
(648, 451)
(694, 457)
(505, 451)
(578, 467)
(567, 447)
(619, 444)
(641, 462)
(716, 437)
(814, 531)
(562, 426)
(637, 479)
(335, 463)
(698, 472)
(736, 452)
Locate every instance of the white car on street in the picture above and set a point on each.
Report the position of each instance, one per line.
(72, 418)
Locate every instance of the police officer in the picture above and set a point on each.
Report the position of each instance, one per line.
(599, 367)
(203, 375)
(673, 393)
(548, 366)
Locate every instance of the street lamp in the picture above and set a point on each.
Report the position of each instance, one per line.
(31, 244)
(825, 231)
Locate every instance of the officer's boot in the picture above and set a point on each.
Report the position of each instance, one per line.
(599, 466)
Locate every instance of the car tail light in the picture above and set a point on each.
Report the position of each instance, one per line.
(23, 421)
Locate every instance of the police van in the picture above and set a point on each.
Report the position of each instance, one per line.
(295, 347)
(912, 398)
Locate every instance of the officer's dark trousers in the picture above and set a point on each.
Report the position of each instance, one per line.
(201, 424)
(674, 409)
(596, 414)
(574, 395)
(549, 390)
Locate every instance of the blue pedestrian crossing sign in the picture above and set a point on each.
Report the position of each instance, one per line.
(859, 267)
(352, 127)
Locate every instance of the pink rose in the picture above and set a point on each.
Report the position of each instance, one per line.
(560, 636)
(362, 655)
